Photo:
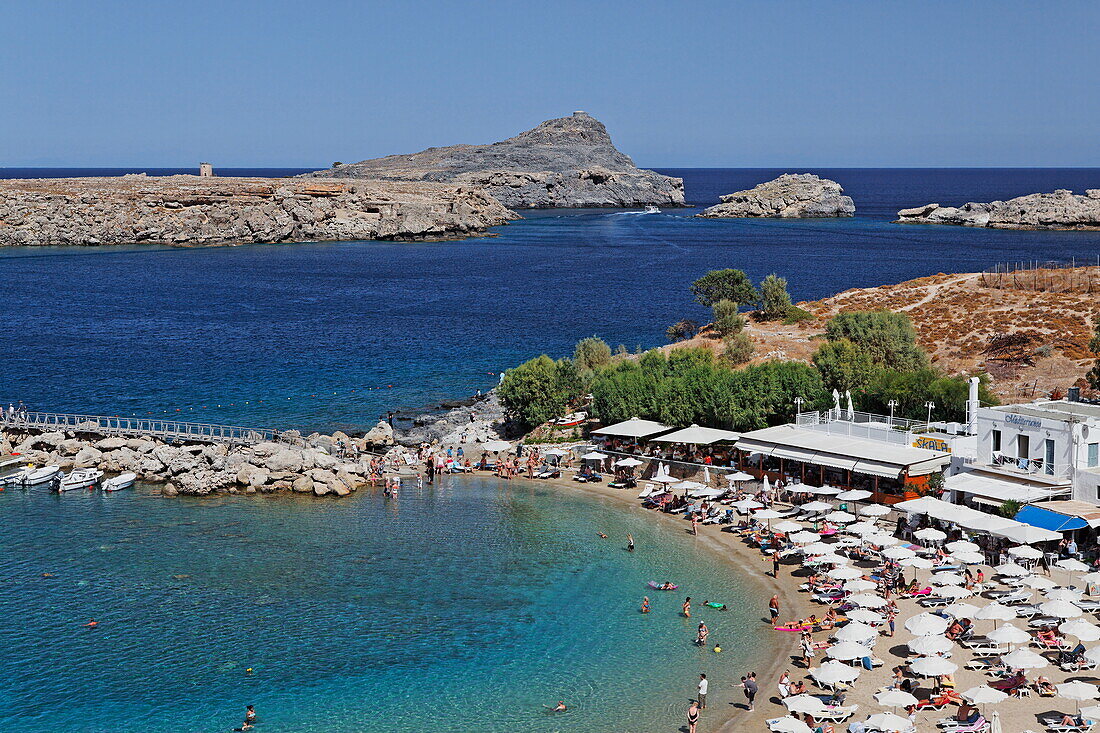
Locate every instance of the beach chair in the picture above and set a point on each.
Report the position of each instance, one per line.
(950, 725)
(1055, 725)
(1047, 640)
(934, 602)
(836, 715)
(940, 701)
(987, 664)
(1016, 598)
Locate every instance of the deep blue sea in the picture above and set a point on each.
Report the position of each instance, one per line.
(328, 335)
(468, 606)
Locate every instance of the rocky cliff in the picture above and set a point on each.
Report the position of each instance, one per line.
(1059, 210)
(791, 196)
(193, 210)
(566, 162)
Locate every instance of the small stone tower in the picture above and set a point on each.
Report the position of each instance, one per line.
(206, 170)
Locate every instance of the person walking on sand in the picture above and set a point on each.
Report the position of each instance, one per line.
(686, 608)
(773, 609)
(703, 685)
(775, 564)
(693, 716)
(784, 685)
(808, 652)
(749, 684)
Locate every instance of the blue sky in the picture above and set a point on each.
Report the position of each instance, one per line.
(834, 83)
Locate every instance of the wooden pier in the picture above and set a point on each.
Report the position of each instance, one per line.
(169, 431)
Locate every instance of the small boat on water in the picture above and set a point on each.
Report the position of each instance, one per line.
(30, 476)
(119, 482)
(571, 420)
(79, 479)
(651, 209)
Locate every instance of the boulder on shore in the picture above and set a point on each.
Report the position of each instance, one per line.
(791, 196)
(1062, 209)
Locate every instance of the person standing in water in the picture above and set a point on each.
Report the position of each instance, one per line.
(687, 607)
(630, 542)
(703, 685)
(645, 604)
(773, 609)
(693, 716)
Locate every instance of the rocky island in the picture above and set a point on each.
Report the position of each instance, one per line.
(1062, 209)
(204, 210)
(791, 196)
(565, 162)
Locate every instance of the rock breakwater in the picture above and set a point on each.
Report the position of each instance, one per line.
(791, 196)
(564, 162)
(192, 210)
(1061, 209)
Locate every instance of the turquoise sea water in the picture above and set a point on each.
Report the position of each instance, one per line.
(463, 607)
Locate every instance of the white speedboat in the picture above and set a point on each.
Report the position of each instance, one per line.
(119, 482)
(79, 479)
(30, 476)
(15, 478)
(651, 209)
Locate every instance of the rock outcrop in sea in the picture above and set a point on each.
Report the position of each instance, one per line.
(194, 210)
(1062, 209)
(791, 196)
(565, 162)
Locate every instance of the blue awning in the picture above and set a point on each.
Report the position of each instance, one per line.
(1037, 516)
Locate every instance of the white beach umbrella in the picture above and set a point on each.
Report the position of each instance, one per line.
(995, 612)
(984, 695)
(845, 573)
(687, 485)
(1012, 570)
(804, 537)
(803, 703)
(1093, 577)
(840, 517)
(868, 600)
(861, 529)
(592, 456)
(848, 542)
(628, 462)
(962, 546)
(864, 615)
(859, 585)
(932, 666)
(930, 534)
(1064, 594)
(895, 699)
(898, 553)
(787, 527)
(1082, 629)
(954, 592)
(788, 725)
(921, 563)
(1073, 566)
(947, 578)
(496, 446)
(738, 476)
(746, 505)
(831, 559)
(928, 645)
(1009, 634)
(1077, 691)
(1027, 552)
(818, 548)
(968, 558)
(847, 651)
(662, 476)
(961, 610)
(1060, 609)
(1038, 582)
(854, 495)
(767, 514)
(926, 624)
(816, 506)
(824, 490)
(874, 510)
(856, 631)
(1093, 655)
(1024, 659)
(888, 723)
(833, 672)
(881, 539)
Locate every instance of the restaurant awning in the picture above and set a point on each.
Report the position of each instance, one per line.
(633, 428)
(956, 513)
(999, 490)
(696, 435)
(1037, 516)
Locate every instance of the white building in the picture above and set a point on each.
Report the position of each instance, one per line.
(1032, 452)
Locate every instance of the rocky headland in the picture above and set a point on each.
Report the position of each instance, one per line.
(193, 210)
(1062, 209)
(791, 196)
(564, 162)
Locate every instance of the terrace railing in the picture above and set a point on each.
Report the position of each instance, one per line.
(136, 427)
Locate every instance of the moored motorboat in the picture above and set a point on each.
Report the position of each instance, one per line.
(571, 420)
(15, 478)
(651, 209)
(30, 476)
(119, 482)
(79, 479)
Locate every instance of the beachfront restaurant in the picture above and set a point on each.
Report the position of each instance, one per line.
(892, 472)
(648, 439)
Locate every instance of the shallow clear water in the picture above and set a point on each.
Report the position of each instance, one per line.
(330, 335)
(463, 607)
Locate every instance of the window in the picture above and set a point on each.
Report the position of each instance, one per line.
(1094, 455)
(997, 441)
(1023, 446)
(1048, 457)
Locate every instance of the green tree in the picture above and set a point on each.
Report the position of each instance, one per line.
(911, 390)
(737, 348)
(775, 301)
(888, 338)
(590, 353)
(681, 330)
(1093, 375)
(1010, 508)
(727, 319)
(843, 365)
(538, 390)
(719, 285)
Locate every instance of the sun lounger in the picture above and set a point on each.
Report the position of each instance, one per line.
(934, 602)
(1049, 641)
(950, 725)
(836, 714)
(987, 664)
(1054, 724)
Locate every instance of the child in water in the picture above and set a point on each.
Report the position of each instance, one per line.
(645, 605)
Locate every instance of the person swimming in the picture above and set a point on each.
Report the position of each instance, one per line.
(559, 708)
(601, 535)
(92, 623)
(645, 605)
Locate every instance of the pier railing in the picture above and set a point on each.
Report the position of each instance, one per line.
(137, 427)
